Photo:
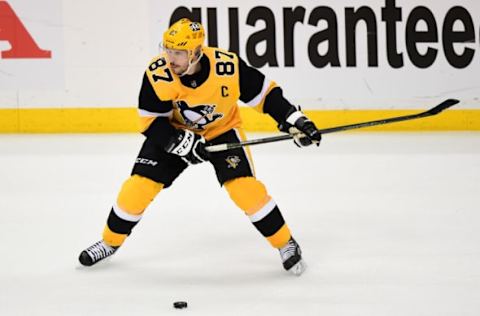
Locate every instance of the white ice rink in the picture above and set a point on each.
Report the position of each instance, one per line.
(389, 225)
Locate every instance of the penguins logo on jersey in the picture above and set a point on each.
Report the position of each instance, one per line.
(197, 117)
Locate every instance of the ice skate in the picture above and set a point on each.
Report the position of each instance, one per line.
(291, 255)
(98, 251)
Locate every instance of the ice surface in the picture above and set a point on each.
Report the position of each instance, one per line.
(389, 225)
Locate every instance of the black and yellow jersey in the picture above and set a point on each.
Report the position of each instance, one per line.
(205, 102)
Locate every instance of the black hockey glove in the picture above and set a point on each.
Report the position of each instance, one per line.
(303, 130)
(189, 146)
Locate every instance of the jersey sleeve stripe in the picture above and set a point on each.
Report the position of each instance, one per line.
(145, 113)
(259, 97)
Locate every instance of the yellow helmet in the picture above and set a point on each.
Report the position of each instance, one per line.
(184, 34)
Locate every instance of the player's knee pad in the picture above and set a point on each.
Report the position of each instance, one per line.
(248, 193)
(137, 193)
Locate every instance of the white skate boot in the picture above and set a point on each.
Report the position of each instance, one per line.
(291, 255)
(96, 252)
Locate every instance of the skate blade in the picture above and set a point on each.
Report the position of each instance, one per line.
(298, 268)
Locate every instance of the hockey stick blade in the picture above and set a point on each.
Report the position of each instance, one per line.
(442, 106)
(433, 111)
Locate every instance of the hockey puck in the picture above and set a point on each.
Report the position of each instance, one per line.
(180, 305)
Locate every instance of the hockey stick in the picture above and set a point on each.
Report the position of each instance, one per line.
(433, 111)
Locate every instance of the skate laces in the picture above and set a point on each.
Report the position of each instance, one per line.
(288, 250)
(100, 250)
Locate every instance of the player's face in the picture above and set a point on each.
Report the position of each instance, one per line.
(178, 60)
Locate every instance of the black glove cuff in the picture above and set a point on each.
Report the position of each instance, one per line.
(284, 125)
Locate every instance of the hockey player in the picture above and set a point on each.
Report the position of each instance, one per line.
(188, 100)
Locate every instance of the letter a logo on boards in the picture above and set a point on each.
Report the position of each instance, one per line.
(13, 31)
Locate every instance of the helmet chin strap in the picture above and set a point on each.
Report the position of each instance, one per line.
(191, 63)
